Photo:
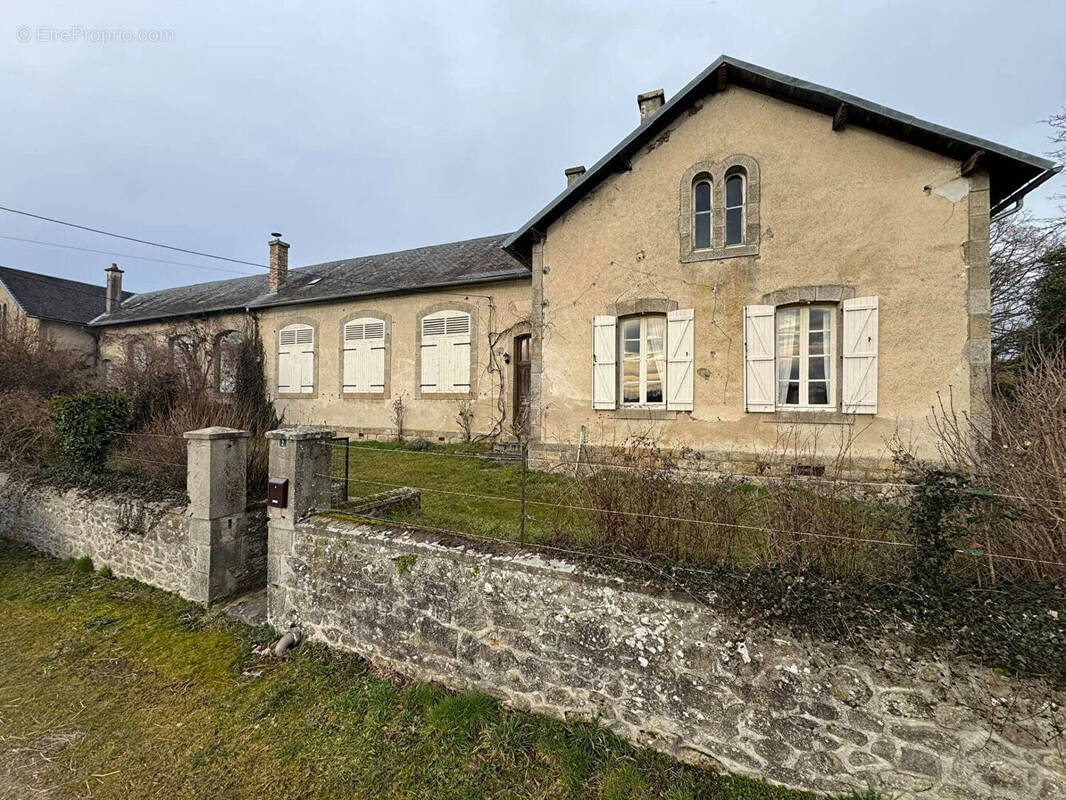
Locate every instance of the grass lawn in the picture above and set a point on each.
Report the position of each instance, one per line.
(557, 512)
(378, 466)
(111, 689)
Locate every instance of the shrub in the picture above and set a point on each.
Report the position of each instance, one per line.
(168, 403)
(26, 436)
(1014, 454)
(29, 363)
(86, 424)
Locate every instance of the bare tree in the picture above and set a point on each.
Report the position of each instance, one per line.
(1058, 142)
(1017, 248)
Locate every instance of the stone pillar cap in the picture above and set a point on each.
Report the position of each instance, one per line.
(301, 432)
(217, 433)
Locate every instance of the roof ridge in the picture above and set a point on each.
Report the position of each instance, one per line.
(97, 286)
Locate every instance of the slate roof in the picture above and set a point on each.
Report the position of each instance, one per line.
(453, 264)
(1012, 172)
(59, 299)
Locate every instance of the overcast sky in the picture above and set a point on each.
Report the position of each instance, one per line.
(357, 130)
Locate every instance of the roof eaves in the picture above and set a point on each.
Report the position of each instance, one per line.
(274, 301)
(102, 320)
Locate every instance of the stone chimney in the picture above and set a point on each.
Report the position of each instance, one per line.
(573, 175)
(649, 103)
(113, 297)
(279, 262)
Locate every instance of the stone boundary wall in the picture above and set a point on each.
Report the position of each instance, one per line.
(136, 538)
(666, 671)
(149, 541)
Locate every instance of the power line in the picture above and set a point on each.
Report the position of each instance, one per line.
(130, 238)
(129, 255)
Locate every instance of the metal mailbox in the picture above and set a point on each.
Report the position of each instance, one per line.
(278, 492)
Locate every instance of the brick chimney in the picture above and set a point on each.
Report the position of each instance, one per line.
(113, 297)
(649, 103)
(279, 262)
(573, 175)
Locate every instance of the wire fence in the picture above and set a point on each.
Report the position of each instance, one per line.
(678, 515)
(648, 509)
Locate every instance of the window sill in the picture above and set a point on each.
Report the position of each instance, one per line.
(810, 417)
(642, 413)
(445, 396)
(720, 253)
(296, 395)
(364, 395)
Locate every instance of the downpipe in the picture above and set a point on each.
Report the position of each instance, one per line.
(292, 638)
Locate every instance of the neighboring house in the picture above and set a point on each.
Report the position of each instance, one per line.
(55, 309)
(762, 263)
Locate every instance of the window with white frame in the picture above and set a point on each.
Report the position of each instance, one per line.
(702, 213)
(735, 202)
(364, 356)
(642, 360)
(446, 352)
(296, 359)
(791, 357)
(805, 347)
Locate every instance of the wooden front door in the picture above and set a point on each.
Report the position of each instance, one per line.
(521, 383)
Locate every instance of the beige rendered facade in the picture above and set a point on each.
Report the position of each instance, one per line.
(499, 312)
(830, 215)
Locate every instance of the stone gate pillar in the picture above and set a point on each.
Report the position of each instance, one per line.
(217, 487)
(302, 456)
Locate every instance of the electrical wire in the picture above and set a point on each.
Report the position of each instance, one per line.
(130, 238)
(129, 255)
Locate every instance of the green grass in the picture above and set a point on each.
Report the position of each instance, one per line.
(557, 513)
(112, 689)
(378, 466)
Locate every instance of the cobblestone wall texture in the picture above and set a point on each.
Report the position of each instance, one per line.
(668, 670)
(138, 539)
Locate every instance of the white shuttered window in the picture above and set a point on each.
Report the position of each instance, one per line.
(643, 361)
(446, 352)
(859, 375)
(364, 356)
(296, 359)
(759, 358)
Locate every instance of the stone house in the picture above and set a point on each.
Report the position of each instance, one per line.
(55, 309)
(762, 265)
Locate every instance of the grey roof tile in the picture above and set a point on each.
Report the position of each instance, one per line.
(455, 263)
(48, 297)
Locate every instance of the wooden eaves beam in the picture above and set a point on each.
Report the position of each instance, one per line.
(969, 166)
(840, 118)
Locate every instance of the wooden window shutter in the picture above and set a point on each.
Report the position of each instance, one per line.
(859, 351)
(680, 337)
(604, 362)
(364, 356)
(305, 353)
(457, 334)
(759, 370)
(286, 360)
